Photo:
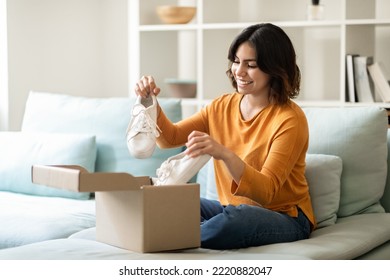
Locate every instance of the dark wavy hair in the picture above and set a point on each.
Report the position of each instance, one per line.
(275, 56)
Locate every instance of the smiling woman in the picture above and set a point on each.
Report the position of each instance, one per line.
(258, 138)
(3, 67)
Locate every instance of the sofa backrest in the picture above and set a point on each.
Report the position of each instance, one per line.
(105, 118)
(358, 135)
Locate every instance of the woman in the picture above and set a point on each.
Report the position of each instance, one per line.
(258, 138)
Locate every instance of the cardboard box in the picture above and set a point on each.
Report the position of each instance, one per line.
(130, 212)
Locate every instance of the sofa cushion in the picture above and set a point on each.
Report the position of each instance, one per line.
(84, 249)
(106, 118)
(26, 219)
(323, 174)
(348, 239)
(358, 136)
(20, 150)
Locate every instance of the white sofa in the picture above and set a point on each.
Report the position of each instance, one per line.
(347, 167)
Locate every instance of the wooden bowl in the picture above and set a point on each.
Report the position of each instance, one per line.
(181, 88)
(175, 14)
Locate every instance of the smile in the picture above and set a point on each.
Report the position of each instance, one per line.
(242, 82)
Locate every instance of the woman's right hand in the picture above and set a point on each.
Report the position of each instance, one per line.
(145, 86)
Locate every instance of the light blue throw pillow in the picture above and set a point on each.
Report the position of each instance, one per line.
(323, 175)
(106, 118)
(20, 150)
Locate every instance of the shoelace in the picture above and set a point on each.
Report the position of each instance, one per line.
(164, 171)
(144, 123)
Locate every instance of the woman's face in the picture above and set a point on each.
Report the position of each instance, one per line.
(250, 79)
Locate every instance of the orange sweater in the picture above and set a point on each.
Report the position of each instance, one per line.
(273, 146)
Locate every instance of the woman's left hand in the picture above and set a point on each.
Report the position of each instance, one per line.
(200, 143)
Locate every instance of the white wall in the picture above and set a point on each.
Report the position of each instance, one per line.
(77, 47)
(3, 67)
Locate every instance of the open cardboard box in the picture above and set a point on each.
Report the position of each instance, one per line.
(130, 212)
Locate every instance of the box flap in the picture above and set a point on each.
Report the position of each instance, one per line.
(78, 179)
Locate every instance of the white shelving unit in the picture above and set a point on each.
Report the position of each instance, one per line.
(198, 50)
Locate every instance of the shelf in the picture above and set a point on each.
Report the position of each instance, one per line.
(242, 25)
(367, 22)
(282, 24)
(168, 27)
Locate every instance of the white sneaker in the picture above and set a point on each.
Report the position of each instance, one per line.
(142, 130)
(179, 169)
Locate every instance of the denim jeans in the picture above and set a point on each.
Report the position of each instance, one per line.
(233, 227)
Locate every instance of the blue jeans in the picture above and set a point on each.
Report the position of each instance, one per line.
(233, 227)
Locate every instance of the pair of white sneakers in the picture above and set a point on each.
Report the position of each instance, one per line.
(142, 132)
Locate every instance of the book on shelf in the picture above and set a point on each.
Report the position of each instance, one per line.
(378, 74)
(350, 84)
(364, 85)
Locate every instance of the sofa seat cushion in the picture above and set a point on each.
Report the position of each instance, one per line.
(379, 253)
(358, 135)
(83, 249)
(106, 118)
(20, 150)
(349, 238)
(26, 219)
